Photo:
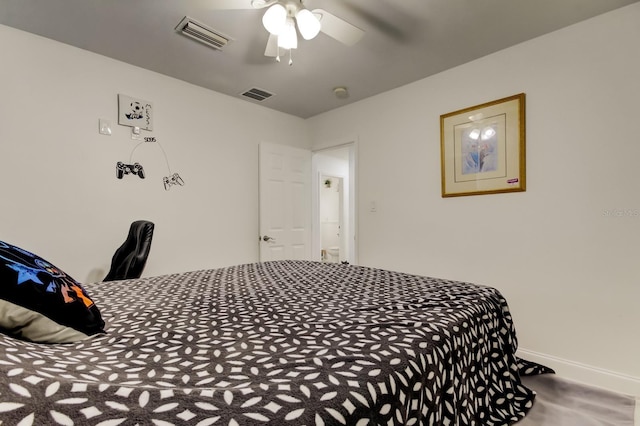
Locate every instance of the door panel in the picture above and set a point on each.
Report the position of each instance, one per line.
(285, 202)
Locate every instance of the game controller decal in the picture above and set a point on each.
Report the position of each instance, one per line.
(132, 168)
(174, 179)
(126, 169)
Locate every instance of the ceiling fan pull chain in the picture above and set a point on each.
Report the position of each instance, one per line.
(278, 54)
(290, 57)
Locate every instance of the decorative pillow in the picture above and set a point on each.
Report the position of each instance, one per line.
(39, 302)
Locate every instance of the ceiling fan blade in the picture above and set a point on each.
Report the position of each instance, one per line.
(338, 28)
(272, 46)
(239, 4)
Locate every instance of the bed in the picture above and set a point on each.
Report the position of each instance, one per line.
(281, 343)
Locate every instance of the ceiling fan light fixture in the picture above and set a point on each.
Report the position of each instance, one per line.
(308, 24)
(288, 38)
(275, 19)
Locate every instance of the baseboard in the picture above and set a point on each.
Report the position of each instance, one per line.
(587, 374)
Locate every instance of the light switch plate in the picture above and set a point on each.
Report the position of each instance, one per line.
(104, 127)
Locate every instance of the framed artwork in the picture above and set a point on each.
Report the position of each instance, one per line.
(135, 112)
(483, 148)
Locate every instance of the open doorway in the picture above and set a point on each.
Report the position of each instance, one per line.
(334, 216)
(331, 206)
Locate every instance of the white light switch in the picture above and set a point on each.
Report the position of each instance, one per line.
(373, 207)
(104, 127)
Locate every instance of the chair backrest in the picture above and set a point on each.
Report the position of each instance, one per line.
(130, 258)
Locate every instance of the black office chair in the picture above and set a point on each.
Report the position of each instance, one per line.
(130, 258)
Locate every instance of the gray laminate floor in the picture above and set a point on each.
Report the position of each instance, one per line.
(561, 402)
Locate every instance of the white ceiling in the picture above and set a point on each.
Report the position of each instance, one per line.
(404, 41)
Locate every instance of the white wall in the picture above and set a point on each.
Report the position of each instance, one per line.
(60, 195)
(568, 268)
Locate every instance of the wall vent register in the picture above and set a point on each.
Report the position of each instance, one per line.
(257, 94)
(200, 32)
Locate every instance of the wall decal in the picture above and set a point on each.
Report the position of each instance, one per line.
(123, 169)
(134, 112)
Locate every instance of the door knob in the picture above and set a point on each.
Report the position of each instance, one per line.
(268, 238)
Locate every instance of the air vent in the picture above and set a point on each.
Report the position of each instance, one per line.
(202, 33)
(257, 94)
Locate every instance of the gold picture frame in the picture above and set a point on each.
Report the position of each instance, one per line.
(483, 148)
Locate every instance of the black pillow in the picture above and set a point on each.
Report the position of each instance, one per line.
(39, 302)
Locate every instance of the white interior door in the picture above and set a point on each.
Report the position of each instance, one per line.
(285, 202)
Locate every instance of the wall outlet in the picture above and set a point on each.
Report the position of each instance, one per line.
(135, 133)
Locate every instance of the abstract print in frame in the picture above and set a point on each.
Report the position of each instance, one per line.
(483, 148)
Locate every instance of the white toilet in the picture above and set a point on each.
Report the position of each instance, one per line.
(333, 254)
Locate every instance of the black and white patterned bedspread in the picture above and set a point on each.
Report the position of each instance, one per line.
(284, 343)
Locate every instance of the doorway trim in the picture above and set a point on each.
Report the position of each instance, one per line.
(351, 240)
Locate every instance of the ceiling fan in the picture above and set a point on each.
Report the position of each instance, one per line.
(284, 19)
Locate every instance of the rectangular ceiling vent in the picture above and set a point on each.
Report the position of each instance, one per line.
(200, 32)
(257, 94)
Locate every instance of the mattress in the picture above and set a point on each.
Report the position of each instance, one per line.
(281, 343)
